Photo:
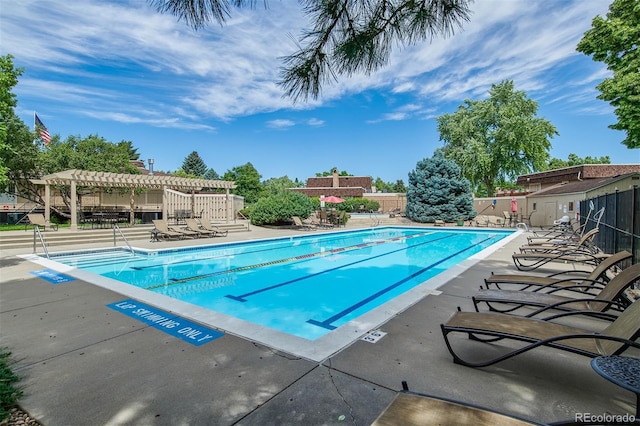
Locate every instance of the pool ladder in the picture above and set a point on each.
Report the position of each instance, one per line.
(36, 231)
(117, 228)
(375, 221)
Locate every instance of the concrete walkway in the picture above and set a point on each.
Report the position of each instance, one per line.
(82, 363)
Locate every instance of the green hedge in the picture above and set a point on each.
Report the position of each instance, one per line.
(278, 209)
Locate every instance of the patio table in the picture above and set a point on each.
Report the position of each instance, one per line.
(624, 371)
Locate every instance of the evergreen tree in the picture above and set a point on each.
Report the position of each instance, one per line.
(437, 190)
(399, 186)
(211, 175)
(194, 165)
(133, 152)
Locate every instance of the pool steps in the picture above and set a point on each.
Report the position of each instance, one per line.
(24, 239)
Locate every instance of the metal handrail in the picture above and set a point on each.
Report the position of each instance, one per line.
(374, 220)
(36, 230)
(239, 213)
(116, 227)
(27, 213)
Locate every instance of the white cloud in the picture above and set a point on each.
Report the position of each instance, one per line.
(280, 124)
(314, 122)
(163, 66)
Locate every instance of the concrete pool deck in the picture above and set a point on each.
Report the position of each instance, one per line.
(83, 363)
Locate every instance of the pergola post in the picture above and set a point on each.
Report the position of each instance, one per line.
(74, 207)
(164, 203)
(132, 216)
(229, 207)
(47, 206)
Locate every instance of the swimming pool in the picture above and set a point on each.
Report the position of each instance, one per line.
(305, 287)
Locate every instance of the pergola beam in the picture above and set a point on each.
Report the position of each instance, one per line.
(75, 178)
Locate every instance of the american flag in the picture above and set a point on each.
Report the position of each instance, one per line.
(42, 131)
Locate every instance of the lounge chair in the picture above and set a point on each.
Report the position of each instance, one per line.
(193, 225)
(36, 219)
(537, 283)
(299, 224)
(492, 326)
(205, 223)
(530, 261)
(169, 232)
(610, 297)
(584, 243)
(416, 409)
(571, 229)
(574, 233)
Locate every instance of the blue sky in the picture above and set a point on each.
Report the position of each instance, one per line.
(122, 71)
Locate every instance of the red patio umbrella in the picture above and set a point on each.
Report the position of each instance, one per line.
(332, 199)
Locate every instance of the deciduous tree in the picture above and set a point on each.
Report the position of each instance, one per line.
(498, 138)
(247, 181)
(614, 40)
(8, 101)
(574, 160)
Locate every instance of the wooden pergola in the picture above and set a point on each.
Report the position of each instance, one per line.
(75, 178)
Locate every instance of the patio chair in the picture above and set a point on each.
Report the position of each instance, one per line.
(341, 220)
(163, 230)
(324, 220)
(36, 219)
(193, 225)
(612, 296)
(205, 223)
(531, 261)
(299, 224)
(600, 274)
(417, 409)
(490, 327)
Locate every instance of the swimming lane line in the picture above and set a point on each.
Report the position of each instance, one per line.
(243, 297)
(327, 323)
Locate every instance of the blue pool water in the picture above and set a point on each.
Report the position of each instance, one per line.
(304, 286)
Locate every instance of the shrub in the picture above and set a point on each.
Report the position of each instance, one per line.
(278, 209)
(9, 394)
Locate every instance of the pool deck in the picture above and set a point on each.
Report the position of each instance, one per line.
(83, 363)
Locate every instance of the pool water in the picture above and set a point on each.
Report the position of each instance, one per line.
(304, 286)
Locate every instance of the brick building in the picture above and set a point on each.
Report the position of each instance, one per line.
(339, 186)
(542, 180)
